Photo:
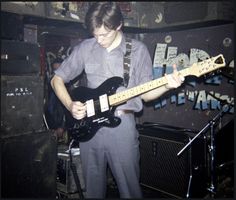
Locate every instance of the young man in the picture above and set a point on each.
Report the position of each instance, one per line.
(102, 58)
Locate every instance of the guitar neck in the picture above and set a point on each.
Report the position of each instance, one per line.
(124, 96)
(196, 69)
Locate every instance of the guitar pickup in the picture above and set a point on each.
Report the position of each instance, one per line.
(104, 106)
(90, 108)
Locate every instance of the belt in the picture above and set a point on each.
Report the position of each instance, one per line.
(122, 112)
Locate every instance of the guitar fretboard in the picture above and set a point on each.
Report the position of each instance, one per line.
(123, 96)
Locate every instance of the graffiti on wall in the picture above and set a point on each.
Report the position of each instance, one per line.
(203, 100)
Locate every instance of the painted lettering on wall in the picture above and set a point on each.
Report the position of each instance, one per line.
(202, 100)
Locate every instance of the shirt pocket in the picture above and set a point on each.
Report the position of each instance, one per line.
(93, 68)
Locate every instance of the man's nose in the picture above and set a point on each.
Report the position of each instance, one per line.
(99, 39)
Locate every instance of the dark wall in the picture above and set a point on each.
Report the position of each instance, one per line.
(191, 106)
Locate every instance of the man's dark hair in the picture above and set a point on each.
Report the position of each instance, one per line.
(107, 13)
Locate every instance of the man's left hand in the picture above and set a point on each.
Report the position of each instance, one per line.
(175, 79)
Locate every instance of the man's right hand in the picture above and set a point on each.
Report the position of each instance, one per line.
(78, 109)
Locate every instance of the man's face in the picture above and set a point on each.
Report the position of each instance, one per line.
(104, 36)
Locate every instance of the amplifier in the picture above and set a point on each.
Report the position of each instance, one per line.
(21, 105)
(65, 177)
(19, 58)
(163, 170)
(28, 166)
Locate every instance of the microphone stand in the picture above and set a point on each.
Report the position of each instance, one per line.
(212, 147)
(75, 174)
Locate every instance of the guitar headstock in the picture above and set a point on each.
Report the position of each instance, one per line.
(208, 65)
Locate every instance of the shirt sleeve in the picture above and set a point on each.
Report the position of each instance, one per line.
(72, 66)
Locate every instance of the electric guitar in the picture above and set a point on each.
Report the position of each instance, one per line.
(102, 101)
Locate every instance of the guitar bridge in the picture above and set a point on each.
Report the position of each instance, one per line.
(100, 120)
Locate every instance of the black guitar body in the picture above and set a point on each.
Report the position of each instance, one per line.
(84, 129)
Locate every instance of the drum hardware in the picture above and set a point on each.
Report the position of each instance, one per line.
(210, 126)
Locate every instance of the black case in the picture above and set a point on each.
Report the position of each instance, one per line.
(19, 58)
(21, 105)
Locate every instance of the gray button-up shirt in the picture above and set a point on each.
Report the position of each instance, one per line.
(99, 65)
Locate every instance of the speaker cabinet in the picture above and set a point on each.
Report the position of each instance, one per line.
(163, 170)
(21, 105)
(28, 166)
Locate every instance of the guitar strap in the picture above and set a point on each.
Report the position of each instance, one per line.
(127, 58)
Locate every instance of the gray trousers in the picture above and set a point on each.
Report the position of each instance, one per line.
(119, 148)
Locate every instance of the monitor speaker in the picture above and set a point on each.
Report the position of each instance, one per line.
(163, 170)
